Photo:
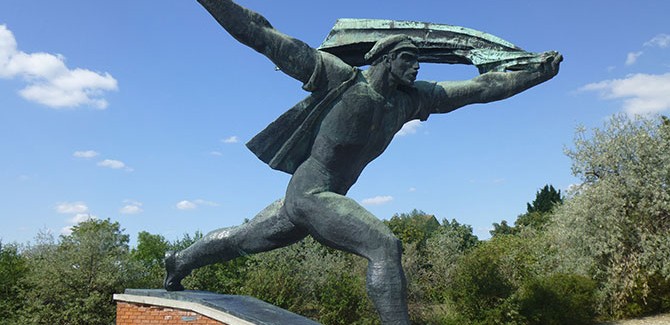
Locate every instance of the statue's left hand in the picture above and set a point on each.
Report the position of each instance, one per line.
(550, 63)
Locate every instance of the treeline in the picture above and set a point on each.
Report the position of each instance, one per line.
(599, 252)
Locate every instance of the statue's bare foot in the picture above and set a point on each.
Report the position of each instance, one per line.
(172, 277)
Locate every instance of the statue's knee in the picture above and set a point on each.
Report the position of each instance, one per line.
(396, 245)
(296, 206)
(392, 247)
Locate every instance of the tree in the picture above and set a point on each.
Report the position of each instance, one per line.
(413, 227)
(444, 249)
(150, 252)
(614, 226)
(73, 280)
(537, 213)
(13, 271)
(545, 200)
(460, 233)
(502, 228)
(485, 279)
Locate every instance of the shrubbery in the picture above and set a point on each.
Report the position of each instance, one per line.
(614, 227)
(557, 299)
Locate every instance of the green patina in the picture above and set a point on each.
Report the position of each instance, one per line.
(350, 39)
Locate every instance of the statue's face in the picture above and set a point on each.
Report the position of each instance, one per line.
(404, 67)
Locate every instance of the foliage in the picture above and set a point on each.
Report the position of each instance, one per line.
(487, 277)
(557, 299)
(545, 200)
(229, 277)
(306, 278)
(13, 271)
(615, 225)
(444, 249)
(460, 233)
(510, 279)
(502, 228)
(537, 214)
(430, 248)
(149, 252)
(73, 281)
(312, 280)
(186, 241)
(413, 227)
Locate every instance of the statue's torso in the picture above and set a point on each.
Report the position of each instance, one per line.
(358, 129)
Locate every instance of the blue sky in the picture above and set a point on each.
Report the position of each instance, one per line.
(138, 111)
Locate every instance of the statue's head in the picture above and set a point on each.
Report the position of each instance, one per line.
(399, 54)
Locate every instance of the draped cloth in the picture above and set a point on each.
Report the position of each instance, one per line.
(287, 142)
(350, 39)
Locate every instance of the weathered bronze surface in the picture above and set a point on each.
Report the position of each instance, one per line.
(350, 118)
(350, 39)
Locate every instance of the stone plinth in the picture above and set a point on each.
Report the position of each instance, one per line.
(154, 306)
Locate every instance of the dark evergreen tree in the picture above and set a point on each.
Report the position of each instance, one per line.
(537, 213)
(545, 200)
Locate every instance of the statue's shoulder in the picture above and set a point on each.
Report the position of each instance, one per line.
(329, 72)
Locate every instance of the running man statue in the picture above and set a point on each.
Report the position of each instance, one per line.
(326, 141)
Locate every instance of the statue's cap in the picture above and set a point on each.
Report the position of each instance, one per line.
(389, 44)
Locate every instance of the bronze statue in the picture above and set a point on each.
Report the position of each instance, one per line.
(326, 141)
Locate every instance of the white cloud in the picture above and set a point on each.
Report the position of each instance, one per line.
(72, 207)
(48, 80)
(377, 200)
(660, 40)
(205, 202)
(81, 217)
(216, 153)
(66, 231)
(79, 213)
(642, 93)
(632, 57)
(231, 139)
(186, 205)
(412, 189)
(190, 205)
(85, 154)
(409, 128)
(131, 207)
(113, 164)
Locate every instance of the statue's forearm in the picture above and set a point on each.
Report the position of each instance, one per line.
(501, 85)
(292, 56)
(240, 22)
(493, 86)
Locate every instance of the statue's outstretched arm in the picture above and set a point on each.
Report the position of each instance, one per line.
(493, 86)
(291, 55)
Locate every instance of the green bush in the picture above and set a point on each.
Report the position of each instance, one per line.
(479, 284)
(558, 299)
(488, 282)
(614, 226)
(649, 298)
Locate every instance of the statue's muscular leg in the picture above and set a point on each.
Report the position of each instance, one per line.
(268, 230)
(341, 223)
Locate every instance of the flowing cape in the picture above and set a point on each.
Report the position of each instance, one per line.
(287, 142)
